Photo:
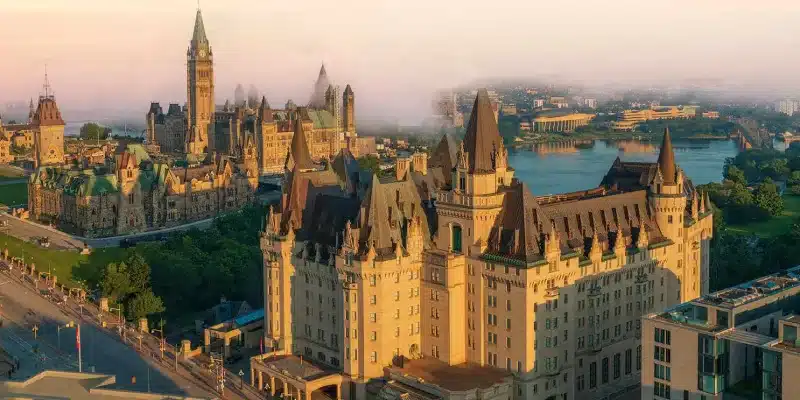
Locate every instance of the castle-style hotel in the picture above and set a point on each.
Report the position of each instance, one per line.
(452, 280)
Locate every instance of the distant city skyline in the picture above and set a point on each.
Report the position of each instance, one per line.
(123, 55)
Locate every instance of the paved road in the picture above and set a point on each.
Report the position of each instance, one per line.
(138, 348)
(22, 309)
(27, 230)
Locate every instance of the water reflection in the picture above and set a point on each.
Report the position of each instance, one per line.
(557, 168)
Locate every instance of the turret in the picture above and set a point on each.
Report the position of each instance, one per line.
(31, 111)
(666, 194)
(644, 239)
(299, 156)
(348, 106)
(595, 251)
(552, 245)
(619, 244)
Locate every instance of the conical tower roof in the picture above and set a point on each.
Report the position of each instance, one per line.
(199, 35)
(264, 112)
(299, 153)
(320, 87)
(376, 220)
(483, 137)
(666, 159)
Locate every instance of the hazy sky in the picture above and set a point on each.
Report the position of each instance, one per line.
(394, 53)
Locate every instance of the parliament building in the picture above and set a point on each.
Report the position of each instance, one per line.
(452, 280)
(201, 127)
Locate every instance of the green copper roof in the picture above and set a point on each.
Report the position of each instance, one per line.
(322, 119)
(139, 152)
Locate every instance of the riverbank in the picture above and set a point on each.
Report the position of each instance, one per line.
(542, 138)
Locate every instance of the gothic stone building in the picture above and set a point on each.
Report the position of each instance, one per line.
(133, 193)
(455, 281)
(201, 127)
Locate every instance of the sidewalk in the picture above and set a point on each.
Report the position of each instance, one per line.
(149, 346)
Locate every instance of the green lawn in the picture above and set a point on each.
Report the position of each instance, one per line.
(773, 226)
(67, 265)
(14, 194)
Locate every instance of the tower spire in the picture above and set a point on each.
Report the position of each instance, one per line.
(666, 159)
(199, 34)
(482, 138)
(47, 92)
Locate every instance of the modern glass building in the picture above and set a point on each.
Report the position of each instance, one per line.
(739, 341)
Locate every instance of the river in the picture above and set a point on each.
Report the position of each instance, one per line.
(553, 168)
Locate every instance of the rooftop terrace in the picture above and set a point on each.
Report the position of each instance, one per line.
(736, 305)
(753, 290)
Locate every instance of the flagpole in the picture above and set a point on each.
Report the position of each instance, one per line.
(78, 341)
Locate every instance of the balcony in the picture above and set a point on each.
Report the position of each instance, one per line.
(486, 201)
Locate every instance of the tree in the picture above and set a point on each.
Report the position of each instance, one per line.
(143, 304)
(767, 199)
(116, 283)
(735, 175)
(138, 272)
(735, 258)
(371, 163)
(93, 131)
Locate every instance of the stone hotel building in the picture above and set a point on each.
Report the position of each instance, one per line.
(451, 279)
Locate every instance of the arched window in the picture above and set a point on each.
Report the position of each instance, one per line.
(456, 237)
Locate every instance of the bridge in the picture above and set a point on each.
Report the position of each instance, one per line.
(749, 135)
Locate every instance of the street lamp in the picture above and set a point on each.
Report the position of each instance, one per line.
(161, 331)
(77, 327)
(119, 318)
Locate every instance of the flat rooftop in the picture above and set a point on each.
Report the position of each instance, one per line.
(753, 290)
(296, 366)
(57, 385)
(733, 300)
(452, 377)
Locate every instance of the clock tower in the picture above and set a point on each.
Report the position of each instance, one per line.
(200, 90)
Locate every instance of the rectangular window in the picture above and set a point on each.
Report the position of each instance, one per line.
(628, 361)
(605, 370)
(662, 336)
(662, 372)
(638, 358)
(617, 366)
(661, 390)
(592, 375)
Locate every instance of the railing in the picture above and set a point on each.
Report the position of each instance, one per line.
(145, 343)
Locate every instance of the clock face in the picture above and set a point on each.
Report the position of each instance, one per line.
(202, 53)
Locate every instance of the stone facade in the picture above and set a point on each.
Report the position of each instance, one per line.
(132, 193)
(201, 127)
(458, 264)
(5, 148)
(48, 137)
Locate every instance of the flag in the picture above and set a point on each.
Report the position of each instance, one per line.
(78, 336)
